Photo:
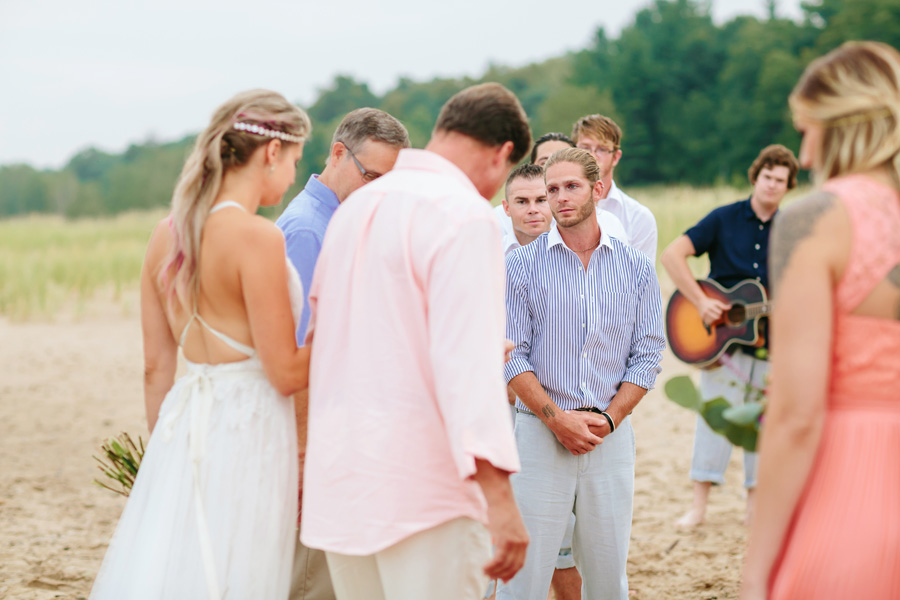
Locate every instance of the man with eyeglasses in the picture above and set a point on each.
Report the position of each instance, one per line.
(364, 147)
(600, 136)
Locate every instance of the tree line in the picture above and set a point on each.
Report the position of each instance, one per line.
(695, 100)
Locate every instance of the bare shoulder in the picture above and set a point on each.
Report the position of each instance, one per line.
(161, 240)
(818, 220)
(257, 235)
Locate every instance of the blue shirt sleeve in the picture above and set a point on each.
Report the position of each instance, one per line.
(703, 234)
(647, 338)
(303, 247)
(518, 317)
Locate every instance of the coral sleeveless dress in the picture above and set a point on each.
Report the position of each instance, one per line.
(844, 540)
(213, 511)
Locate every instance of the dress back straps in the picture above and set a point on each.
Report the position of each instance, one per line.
(226, 204)
(230, 342)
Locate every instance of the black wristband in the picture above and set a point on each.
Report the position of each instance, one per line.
(612, 426)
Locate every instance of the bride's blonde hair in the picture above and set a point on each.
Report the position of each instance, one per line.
(854, 92)
(265, 115)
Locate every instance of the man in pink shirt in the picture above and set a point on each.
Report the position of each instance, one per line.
(410, 443)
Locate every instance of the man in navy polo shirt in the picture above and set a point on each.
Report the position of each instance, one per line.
(364, 147)
(736, 239)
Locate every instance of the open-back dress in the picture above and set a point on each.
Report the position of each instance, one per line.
(213, 511)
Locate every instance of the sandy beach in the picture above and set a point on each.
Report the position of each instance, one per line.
(70, 382)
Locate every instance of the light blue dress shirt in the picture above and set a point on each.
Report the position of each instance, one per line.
(304, 222)
(583, 331)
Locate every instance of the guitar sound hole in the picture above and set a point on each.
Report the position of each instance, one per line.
(736, 315)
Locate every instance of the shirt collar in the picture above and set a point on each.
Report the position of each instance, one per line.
(614, 194)
(751, 216)
(321, 192)
(554, 238)
(510, 242)
(426, 160)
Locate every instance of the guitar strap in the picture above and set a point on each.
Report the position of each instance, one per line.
(749, 385)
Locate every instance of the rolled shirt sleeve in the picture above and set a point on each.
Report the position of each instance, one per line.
(466, 331)
(647, 338)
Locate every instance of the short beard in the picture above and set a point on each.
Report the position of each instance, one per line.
(580, 217)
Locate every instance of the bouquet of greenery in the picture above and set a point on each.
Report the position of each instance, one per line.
(121, 461)
(740, 424)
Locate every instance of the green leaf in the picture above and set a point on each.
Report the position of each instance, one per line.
(712, 412)
(745, 414)
(682, 391)
(743, 436)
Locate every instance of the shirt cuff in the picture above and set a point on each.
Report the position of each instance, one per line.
(516, 366)
(642, 379)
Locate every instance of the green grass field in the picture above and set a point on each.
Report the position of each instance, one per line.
(49, 263)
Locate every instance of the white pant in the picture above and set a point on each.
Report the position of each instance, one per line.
(442, 563)
(598, 486)
(712, 451)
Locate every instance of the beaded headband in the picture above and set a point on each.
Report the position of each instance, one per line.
(260, 130)
(864, 117)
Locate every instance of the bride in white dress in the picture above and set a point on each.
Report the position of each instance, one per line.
(213, 511)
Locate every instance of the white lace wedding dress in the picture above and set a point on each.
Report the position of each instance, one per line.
(213, 511)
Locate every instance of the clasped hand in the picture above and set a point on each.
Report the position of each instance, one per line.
(580, 431)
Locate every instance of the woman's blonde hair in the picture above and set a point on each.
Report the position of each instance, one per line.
(219, 148)
(854, 92)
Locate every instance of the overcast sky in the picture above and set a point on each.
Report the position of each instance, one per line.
(108, 73)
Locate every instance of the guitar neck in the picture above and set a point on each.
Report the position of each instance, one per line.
(758, 309)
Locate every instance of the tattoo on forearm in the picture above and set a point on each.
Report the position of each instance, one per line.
(791, 227)
(894, 279)
(548, 411)
(894, 276)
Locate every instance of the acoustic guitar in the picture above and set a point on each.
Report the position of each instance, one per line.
(695, 343)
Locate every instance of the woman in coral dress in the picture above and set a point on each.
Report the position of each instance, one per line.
(827, 524)
(213, 511)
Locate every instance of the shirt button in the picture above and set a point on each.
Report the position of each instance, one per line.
(584, 355)
(757, 246)
(760, 227)
(755, 265)
(583, 324)
(582, 296)
(758, 278)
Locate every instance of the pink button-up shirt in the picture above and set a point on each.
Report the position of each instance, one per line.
(406, 382)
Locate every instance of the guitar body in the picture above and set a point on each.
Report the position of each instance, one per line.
(692, 342)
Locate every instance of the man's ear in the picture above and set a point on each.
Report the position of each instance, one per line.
(598, 191)
(505, 207)
(338, 149)
(617, 157)
(502, 153)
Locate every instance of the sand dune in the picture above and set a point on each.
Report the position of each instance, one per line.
(66, 385)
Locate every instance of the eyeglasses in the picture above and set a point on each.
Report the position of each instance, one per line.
(598, 149)
(368, 176)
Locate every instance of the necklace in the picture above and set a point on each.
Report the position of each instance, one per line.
(588, 249)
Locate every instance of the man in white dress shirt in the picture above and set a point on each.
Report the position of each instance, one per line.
(600, 136)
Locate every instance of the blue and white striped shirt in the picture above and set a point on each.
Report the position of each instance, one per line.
(583, 332)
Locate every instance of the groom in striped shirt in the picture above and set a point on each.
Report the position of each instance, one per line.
(584, 311)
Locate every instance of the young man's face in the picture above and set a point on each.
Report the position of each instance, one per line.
(526, 204)
(603, 151)
(570, 194)
(771, 185)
